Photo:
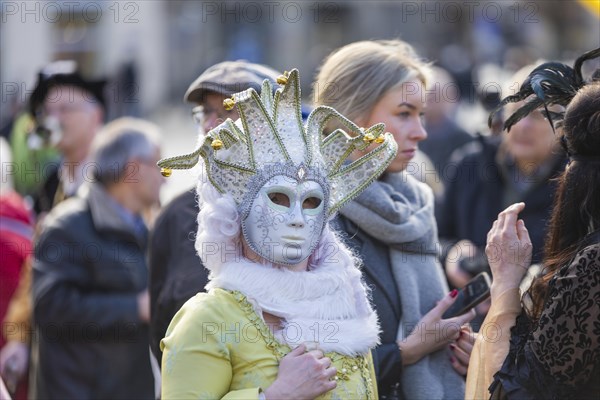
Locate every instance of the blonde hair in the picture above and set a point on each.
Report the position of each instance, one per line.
(353, 78)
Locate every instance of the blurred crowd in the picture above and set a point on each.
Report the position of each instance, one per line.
(94, 268)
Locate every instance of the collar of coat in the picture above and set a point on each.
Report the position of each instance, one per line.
(105, 216)
(327, 304)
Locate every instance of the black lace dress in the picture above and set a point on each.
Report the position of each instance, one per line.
(559, 357)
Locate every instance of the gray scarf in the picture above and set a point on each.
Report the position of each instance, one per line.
(398, 211)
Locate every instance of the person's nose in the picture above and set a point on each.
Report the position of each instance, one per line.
(418, 132)
(296, 217)
(526, 123)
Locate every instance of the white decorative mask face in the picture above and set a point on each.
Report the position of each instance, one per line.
(286, 220)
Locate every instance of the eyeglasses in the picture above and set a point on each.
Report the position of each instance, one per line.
(202, 113)
(63, 109)
(198, 114)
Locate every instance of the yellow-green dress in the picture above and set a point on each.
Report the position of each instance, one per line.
(218, 347)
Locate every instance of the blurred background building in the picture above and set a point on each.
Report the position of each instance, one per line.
(152, 50)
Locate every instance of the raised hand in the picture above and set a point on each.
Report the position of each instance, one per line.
(508, 250)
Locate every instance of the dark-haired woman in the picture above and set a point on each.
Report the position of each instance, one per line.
(547, 345)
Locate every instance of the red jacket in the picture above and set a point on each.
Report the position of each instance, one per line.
(16, 230)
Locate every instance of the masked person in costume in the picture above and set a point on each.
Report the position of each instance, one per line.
(546, 345)
(286, 313)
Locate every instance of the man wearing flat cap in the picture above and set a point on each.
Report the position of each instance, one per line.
(220, 82)
(176, 271)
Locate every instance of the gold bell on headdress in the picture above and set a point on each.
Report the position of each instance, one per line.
(380, 139)
(216, 144)
(368, 138)
(282, 79)
(166, 172)
(228, 104)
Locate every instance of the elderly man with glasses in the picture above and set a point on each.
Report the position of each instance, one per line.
(176, 271)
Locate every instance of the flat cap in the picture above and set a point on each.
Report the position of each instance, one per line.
(229, 77)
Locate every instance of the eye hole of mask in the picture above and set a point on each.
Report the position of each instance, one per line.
(311, 203)
(281, 199)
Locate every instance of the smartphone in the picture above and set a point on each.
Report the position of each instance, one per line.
(474, 292)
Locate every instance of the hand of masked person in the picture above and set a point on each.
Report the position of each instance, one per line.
(302, 375)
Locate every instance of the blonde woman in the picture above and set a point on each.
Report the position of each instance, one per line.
(392, 226)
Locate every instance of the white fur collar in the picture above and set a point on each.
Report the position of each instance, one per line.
(327, 305)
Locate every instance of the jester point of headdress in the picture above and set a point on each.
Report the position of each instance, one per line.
(271, 139)
(551, 83)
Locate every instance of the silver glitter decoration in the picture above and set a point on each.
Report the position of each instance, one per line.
(270, 139)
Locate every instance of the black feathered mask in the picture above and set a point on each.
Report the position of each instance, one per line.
(551, 83)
